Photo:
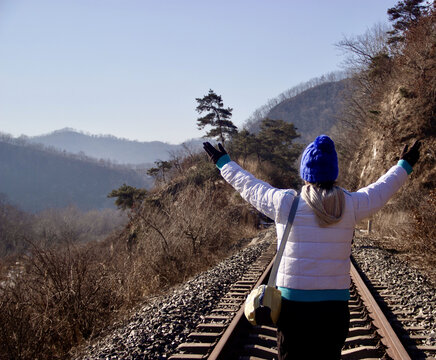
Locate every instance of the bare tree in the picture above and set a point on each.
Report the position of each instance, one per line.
(361, 50)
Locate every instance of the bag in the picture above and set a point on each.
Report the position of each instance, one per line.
(263, 304)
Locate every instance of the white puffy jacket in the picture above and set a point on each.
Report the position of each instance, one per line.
(315, 257)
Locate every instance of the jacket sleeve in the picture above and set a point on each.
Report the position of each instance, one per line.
(264, 197)
(370, 199)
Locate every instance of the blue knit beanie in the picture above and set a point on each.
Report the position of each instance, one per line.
(319, 162)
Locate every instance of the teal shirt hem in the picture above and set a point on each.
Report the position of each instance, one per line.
(406, 166)
(315, 295)
(222, 161)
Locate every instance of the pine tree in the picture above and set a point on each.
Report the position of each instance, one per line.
(127, 196)
(243, 145)
(276, 143)
(405, 14)
(217, 117)
(158, 172)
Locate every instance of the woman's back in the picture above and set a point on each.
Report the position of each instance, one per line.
(313, 275)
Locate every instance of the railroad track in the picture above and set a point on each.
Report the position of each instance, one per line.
(226, 334)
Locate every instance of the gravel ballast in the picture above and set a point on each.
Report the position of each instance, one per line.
(156, 329)
(416, 293)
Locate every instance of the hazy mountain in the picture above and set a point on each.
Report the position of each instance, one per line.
(35, 178)
(110, 147)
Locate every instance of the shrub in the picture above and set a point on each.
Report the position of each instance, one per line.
(53, 300)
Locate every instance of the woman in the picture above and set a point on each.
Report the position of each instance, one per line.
(314, 271)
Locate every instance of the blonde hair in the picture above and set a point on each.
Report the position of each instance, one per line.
(327, 204)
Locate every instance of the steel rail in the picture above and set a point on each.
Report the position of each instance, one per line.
(389, 338)
(361, 341)
(223, 343)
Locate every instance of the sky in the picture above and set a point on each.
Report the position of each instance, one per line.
(133, 68)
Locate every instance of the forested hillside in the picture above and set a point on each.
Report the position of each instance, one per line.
(35, 178)
(111, 148)
(314, 107)
(314, 111)
(392, 102)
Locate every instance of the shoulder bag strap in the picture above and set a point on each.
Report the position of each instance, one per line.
(275, 269)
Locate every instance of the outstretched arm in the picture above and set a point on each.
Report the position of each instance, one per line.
(371, 198)
(264, 197)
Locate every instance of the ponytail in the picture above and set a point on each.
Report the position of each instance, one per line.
(327, 204)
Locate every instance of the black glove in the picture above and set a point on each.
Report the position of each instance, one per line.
(412, 155)
(213, 153)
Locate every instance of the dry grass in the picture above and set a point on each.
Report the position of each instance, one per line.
(56, 298)
(386, 115)
(269, 173)
(52, 299)
(406, 226)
